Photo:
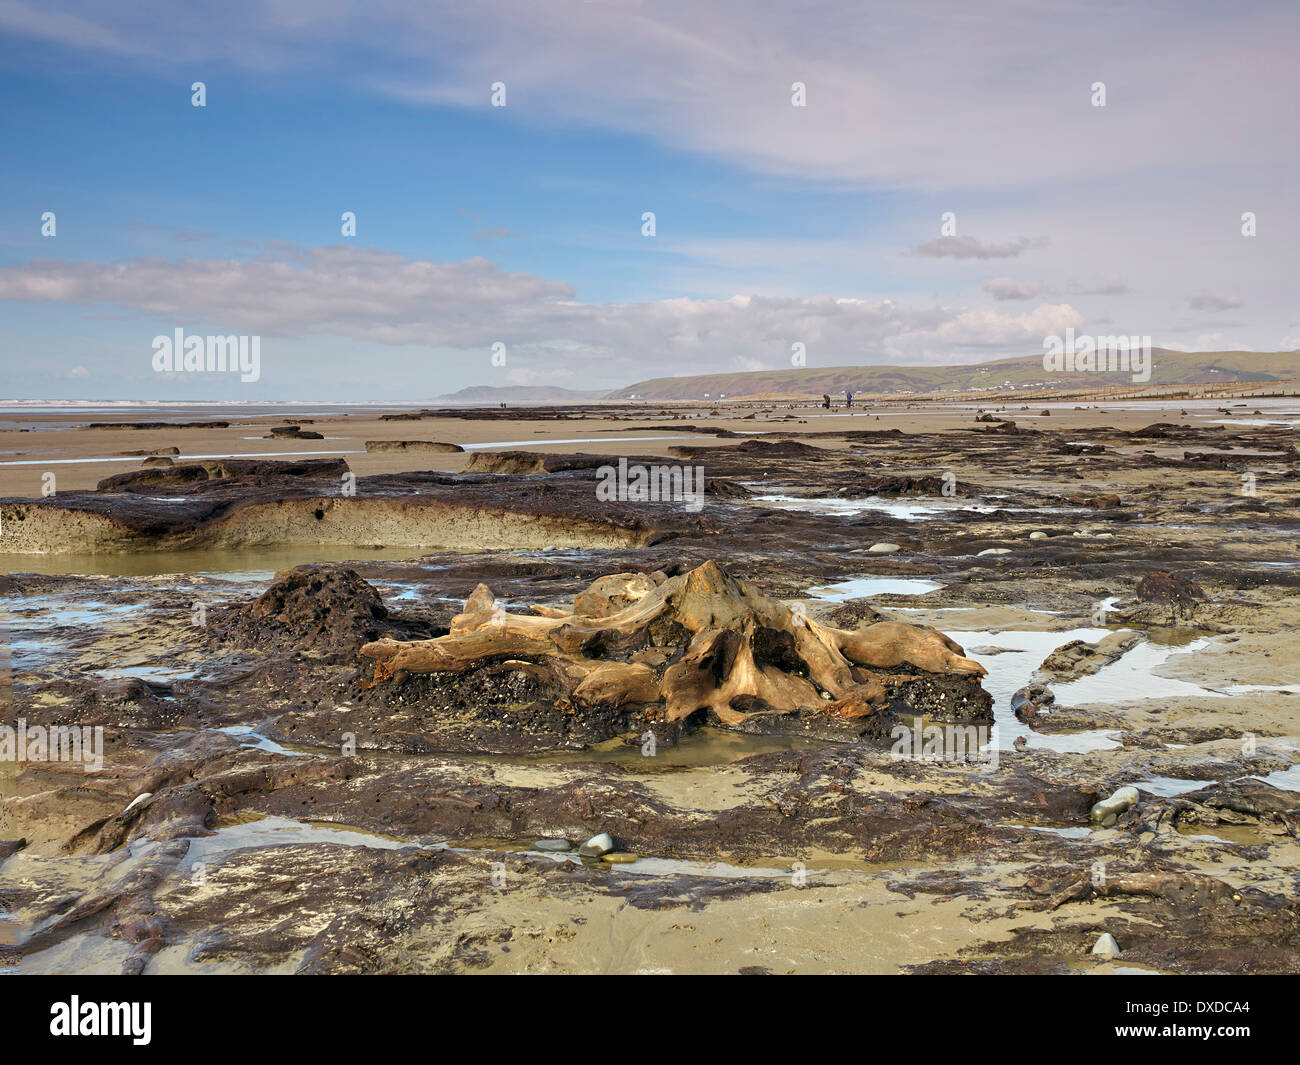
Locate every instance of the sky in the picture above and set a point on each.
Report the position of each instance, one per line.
(920, 183)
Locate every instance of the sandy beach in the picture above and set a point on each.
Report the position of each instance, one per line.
(38, 441)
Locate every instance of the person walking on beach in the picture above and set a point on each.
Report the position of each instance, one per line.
(848, 396)
(826, 401)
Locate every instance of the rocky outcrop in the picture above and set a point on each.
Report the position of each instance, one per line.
(320, 609)
(413, 445)
(292, 432)
(147, 480)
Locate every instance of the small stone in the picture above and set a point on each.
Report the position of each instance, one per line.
(552, 845)
(618, 858)
(1038, 535)
(1108, 810)
(883, 549)
(597, 846)
(138, 799)
(994, 551)
(1106, 945)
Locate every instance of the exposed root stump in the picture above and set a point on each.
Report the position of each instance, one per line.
(702, 648)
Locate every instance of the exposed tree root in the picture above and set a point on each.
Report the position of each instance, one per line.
(699, 641)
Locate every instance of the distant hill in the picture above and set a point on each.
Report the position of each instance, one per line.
(517, 394)
(1168, 368)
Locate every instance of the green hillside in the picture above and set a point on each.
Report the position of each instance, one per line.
(1169, 368)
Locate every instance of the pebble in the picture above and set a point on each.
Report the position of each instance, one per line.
(1038, 536)
(552, 845)
(1106, 945)
(995, 551)
(139, 799)
(1108, 810)
(883, 549)
(597, 846)
(618, 858)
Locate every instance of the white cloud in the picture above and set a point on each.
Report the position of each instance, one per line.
(61, 27)
(1003, 288)
(970, 248)
(937, 95)
(1209, 301)
(1105, 286)
(385, 298)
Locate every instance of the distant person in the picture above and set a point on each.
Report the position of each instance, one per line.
(826, 401)
(848, 396)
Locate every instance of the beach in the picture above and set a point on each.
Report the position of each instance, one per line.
(271, 798)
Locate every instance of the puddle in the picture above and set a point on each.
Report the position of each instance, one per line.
(1019, 654)
(27, 653)
(1072, 832)
(1286, 779)
(262, 743)
(161, 673)
(702, 748)
(861, 587)
(403, 592)
(282, 832)
(598, 441)
(42, 627)
(642, 866)
(1134, 677)
(134, 460)
(849, 507)
(1246, 689)
(1240, 835)
(682, 867)
(47, 613)
(1277, 423)
(1168, 786)
(903, 509)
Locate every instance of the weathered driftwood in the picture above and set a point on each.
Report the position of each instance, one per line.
(702, 640)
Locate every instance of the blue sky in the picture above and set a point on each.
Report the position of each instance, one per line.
(522, 224)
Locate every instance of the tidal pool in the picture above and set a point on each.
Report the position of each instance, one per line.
(895, 508)
(861, 587)
(1020, 653)
(1135, 676)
